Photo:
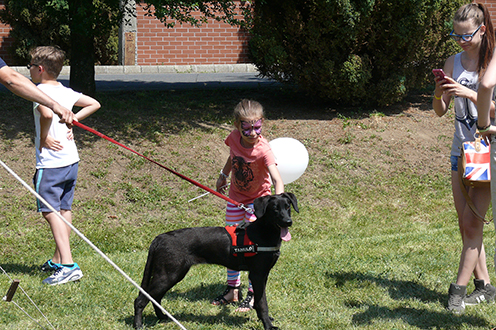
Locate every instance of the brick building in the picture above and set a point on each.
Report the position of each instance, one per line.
(154, 44)
(149, 43)
(213, 43)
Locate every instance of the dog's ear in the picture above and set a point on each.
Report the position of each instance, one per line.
(260, 204)
(292, 198)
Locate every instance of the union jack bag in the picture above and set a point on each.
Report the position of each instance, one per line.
(475, 161)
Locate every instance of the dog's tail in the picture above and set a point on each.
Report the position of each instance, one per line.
(147, 273)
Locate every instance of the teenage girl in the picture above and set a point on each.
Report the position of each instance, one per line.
(252, 165)
(473, 31)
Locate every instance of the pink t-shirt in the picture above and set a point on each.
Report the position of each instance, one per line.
(250, 177)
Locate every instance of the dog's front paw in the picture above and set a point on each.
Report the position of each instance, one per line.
(161, 315)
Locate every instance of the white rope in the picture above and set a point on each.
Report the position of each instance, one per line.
(240, 206)
(205, 194)
(92, 245)
(28, 314)
(31, 300)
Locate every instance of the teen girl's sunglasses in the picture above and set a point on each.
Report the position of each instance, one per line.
(464, 37)
(247, 127)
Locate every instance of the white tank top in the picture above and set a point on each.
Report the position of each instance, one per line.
(465, 110)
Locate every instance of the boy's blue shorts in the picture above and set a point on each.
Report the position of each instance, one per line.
(56, 186)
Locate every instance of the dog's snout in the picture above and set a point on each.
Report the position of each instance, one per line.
(285, 223)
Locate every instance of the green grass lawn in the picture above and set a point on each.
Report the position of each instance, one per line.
(375, 245)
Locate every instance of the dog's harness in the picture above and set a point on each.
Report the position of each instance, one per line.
(242, 246)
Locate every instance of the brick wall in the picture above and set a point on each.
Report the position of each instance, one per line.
(213, 43)
(491, 5)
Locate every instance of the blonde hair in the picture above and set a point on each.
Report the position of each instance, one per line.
(247, 109)
(51, 58)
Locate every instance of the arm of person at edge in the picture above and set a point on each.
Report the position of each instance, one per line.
(484, 96)
(23, 87)
(276, 179)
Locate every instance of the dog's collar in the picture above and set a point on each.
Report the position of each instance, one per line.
(267, 249)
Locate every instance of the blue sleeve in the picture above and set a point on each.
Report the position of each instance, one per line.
(2, 63)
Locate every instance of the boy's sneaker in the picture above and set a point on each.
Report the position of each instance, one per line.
(455, 300)
(64, 274)
(50, 266)
(483, 292)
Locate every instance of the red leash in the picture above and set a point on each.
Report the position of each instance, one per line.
(78, 124)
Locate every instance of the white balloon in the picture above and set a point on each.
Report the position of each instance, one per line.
(291, 158)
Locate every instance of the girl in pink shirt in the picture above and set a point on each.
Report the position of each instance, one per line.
(253, 166)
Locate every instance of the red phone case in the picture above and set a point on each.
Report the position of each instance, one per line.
(439, 73)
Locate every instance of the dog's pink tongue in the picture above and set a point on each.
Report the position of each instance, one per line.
(285, 234)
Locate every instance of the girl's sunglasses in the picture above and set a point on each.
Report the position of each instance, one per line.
(464, 37)
(247, 127)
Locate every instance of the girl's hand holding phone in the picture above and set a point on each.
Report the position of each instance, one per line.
(447, 85)
(440, 78)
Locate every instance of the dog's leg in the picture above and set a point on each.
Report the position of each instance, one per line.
(141, 301)
(169, 276)
(259, 283)
(157, 292)
(157, 289)
(139, 304)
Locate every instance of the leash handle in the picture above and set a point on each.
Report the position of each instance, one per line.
(210, 190)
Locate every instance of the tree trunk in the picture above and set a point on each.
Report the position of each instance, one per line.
(82, 76)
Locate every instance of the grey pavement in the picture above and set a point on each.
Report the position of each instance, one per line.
(122, 78)
(168, 81)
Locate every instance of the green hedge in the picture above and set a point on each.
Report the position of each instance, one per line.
(46, 22)
(351, 52)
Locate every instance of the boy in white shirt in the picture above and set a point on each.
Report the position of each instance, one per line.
(57, 158)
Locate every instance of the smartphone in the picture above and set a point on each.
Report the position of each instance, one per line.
(439, 73)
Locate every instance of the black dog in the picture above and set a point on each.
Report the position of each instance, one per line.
(172, 254)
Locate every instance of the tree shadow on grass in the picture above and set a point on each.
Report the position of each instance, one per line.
(21, 268)
(130, 115)
(397, 289)
(420, 318)
(403, 290)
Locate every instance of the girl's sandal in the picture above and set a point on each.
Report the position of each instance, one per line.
(247, 304)
(221, 300)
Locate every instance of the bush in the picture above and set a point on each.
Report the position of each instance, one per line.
(352, 51)
(46, 22)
